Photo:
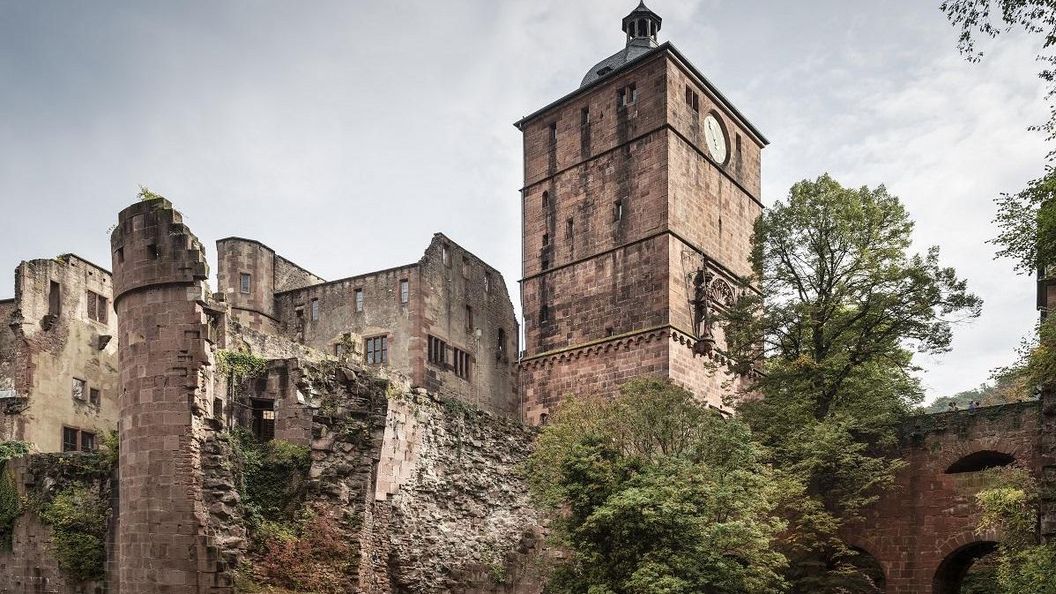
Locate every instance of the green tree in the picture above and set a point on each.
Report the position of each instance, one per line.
(1011, 509)
(653, 493)
(846, 306)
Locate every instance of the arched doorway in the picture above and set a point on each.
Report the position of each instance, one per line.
(950, 575)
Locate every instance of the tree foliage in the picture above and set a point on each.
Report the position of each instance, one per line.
(1010, 508)
(655, 493)
(846, 306)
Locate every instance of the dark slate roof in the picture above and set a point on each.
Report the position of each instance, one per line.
(634, 50)
(638, 59)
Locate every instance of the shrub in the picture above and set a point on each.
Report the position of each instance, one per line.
(77, 516)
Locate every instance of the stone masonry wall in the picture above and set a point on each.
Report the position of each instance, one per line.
(927, 523)
(56, 343)
(450, 511)
(31, 566)
(166, 542)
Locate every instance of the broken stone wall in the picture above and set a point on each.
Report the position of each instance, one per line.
(31, 565)
(60, 337)
(450, 511)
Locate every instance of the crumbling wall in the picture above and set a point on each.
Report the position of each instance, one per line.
(451, 512)
(59, 339)
(7, 350)
(31, 565)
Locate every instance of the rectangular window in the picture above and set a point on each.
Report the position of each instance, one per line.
(87, 441)
(460, 363)
(314, 309)
(553, 135)
(94, 396)
(97, 306)
(445, 255)
(469, 319)
(54, 298)
(692, 99)
(80, 389)
(244, 282)
(359, 299)
(69, 439)
(617, 211)
(546, 239)
(584, 116)
(627, 95)
(544, 314)
(405, 291)
(377, 350)
(465, 267)
(487, 281)
(569, 228)
(437, 351)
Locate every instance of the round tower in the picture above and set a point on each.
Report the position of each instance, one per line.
(165, 358)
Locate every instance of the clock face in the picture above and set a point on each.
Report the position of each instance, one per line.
(715, 138)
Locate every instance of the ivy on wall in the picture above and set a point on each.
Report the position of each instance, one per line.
(240, 365)
(10, 502)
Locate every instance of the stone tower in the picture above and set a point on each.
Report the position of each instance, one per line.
(165, 358)
(641, 188)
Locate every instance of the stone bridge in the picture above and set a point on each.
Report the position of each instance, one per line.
(922, 533)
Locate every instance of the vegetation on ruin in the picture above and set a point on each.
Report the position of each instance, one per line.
(847, 304)
(146, 194)
(12, 449)
(10, 502)
(240, 365)
(652, 492)
(78, 516)
(1010, 509)
(293, 547)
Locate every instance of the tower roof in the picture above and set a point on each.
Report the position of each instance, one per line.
(641, 27)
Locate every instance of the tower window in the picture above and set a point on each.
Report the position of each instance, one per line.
(377, 350)
(546, 239)
(500, 351)
(445, 255)
(617, 211)
(359, 299)
(244, 282)
(553, 134)
(546, 200)
(641, 28)
(97, 307)
(315, 309)
(487, 281)
(405, 291)
(94, 396)
(584, 116)
(544, 314)
(569, 228)
(465, 267)
(692, 99)
(627, 95)
(469, 319)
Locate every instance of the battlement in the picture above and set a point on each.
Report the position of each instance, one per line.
(152, 246)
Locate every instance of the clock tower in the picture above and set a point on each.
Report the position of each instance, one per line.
(641, 188)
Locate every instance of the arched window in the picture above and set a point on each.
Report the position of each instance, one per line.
(981, 460)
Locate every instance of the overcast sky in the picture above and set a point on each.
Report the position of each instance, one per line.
(344, 133)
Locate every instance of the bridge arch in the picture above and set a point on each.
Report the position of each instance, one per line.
(981, 460)
(955, 565)
(872, 570)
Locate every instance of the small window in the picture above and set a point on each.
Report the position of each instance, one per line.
(546, 200)
(94, 396)
(553, 134)
(80, 389)
(152, 252)
(466, 268)
(445, 255)
(460, 363)
(584, 116)
(569, 228)
(120, 255)
(87, 441)
(609, 331)
(437, 351)
(359, 299)
(244, 282)
(500, 347)
(692, 99)
(377, 350)
(546, 239)
(405, 291)
(69, 439)
(739, 155)
(314, 309)
(469, 319)
(544, 314)
(54, 299)
(97, 306)
(627, 95)
(617, 211)
(487, 281)
(546, 262)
